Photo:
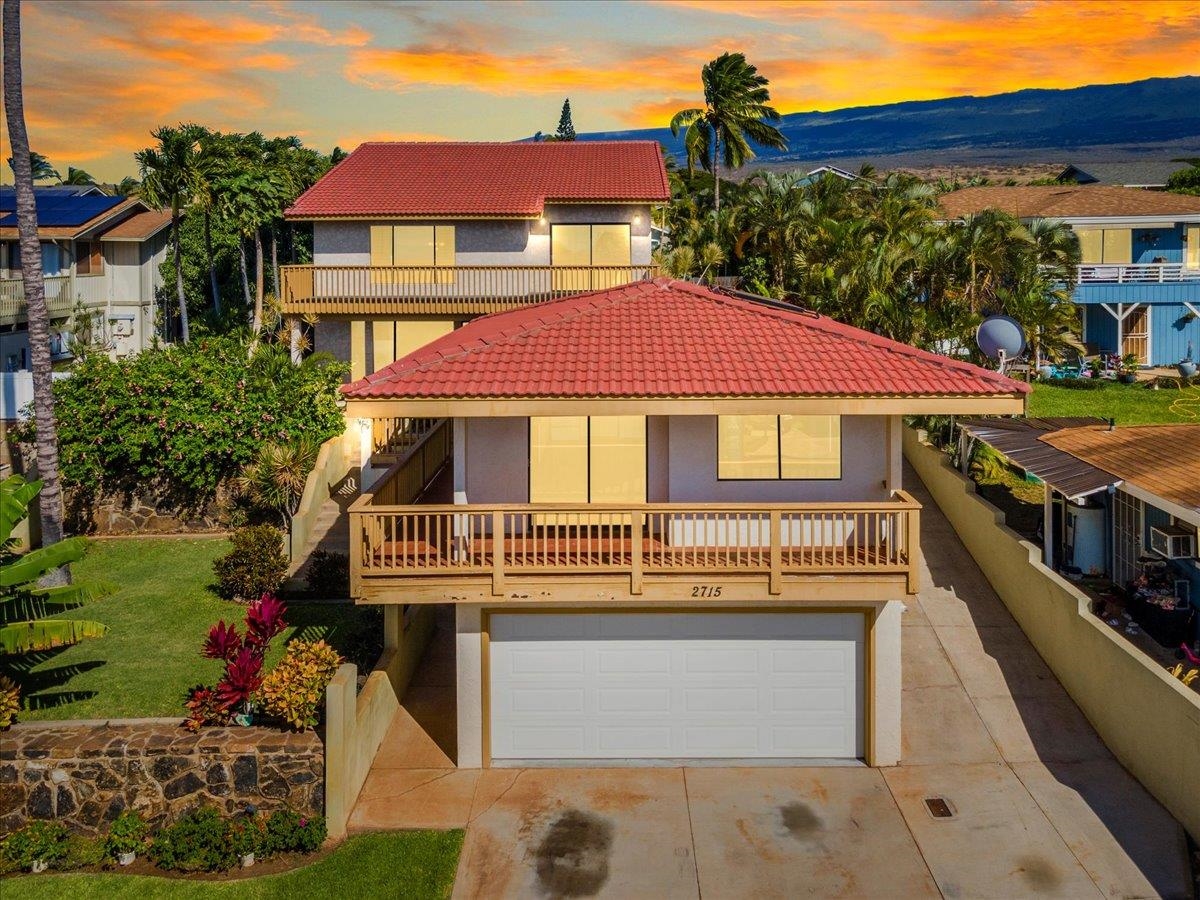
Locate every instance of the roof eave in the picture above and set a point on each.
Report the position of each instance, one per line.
(500, 406)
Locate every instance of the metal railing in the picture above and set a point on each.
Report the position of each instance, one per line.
(434, 289)
(1135, 273)
(513, 540)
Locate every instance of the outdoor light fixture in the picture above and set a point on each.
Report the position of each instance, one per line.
(541, 220)
(637, 219)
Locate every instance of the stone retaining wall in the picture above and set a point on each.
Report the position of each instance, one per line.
(85, 774)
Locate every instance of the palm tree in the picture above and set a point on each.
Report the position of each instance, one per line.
(167, 172)
(50, 500)
(1057, 248)
(735, 112)
(128, 186)
(78, 177)
(771, 211)
(212, 165)
(39, 165)
(248, 198)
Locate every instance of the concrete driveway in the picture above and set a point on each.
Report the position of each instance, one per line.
(1038, 806)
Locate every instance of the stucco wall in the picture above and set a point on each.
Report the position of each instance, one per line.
(521, 242)
(1148, 719)
(693, 466)
(681, 464)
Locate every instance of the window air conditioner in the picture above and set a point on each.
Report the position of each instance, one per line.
(1173, 541)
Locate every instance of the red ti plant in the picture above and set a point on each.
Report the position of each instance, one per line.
(243, 655)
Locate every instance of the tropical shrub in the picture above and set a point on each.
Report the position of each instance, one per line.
(256, 564)
(275, 480)
(294, 689)
(126, 835)
(10, 702)
(248, 835)
(81, 852)
(328, 574)
(28, 621)
(36, 842)
(290, 832)
(198, 842)
(243, 656)
(188, 417)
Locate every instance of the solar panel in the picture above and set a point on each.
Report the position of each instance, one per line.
(57, 210)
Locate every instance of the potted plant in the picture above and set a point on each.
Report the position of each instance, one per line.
(246, 838)
(1186, 366)
(126, 836)
(36, 846)
(1095, 367)
(1129, 368)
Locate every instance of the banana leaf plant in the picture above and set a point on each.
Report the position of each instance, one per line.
(24, 607)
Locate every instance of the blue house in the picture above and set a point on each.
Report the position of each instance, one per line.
(1138, 285)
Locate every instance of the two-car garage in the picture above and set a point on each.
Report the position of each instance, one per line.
(565, 687)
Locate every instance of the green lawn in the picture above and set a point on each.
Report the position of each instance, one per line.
(157, 620)
(1129, 404)
(406, 864)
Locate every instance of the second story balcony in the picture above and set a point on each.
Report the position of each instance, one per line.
(62, 294)
(1136, 273)
(441, 290)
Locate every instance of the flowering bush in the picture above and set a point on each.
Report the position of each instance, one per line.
(188, 415)
(290, 832)
(294, 688)
(243, 656)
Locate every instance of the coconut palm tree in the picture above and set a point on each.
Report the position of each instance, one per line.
(1057, 248)
(168, 174)
(128, 186)
(212, 164)
(39, 166)
(735, 113)
(772, 215)
(78, 177)
(50, 501)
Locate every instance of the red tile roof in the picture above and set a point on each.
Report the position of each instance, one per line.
(663, 338)
(478, 179)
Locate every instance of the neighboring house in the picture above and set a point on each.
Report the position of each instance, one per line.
(671, 523)
(1115, 497)
(410, 240)
(98, 253)
(1149, 174)
(820, 172)
(1138, 287)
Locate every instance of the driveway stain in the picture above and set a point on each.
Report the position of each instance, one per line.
(799, 821)
(572, 859)
(1041, 874)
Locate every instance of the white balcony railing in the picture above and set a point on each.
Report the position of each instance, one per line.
(1136, 273)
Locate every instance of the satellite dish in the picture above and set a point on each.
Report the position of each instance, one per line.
(1000, 338)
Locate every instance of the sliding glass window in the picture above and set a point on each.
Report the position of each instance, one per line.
(577, 459)
(779, 447)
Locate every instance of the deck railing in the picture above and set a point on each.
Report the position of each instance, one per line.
(1136, 273)
(440, 289)
(60, 298)
(495, 542)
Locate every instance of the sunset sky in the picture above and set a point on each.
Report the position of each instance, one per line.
(100, 75)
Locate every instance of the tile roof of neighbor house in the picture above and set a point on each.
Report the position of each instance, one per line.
(669, 339)
(1068, 201)
(1163, 460)
(139, 226)
(484, 179)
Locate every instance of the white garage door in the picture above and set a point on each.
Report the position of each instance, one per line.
(676, 686)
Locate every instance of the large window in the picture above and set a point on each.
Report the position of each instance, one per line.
(779, 447)
(1105, 245)
(585, 247)
(428, 247)
(581, 459)
(1191, 257)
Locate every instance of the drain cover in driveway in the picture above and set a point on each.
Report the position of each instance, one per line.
(938, 808)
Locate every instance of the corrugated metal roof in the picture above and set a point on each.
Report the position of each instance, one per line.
(1021, 441)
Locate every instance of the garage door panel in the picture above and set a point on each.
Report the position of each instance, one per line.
(634, 701)
(546, 700)
(670, 686)
(637, 660)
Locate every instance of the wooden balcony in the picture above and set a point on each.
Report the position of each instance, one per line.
(60, 298)
(416, 553)
(441, 290)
